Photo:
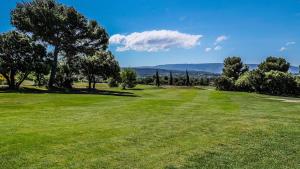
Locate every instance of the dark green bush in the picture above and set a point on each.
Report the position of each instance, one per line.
(224, 83)
(279, 83)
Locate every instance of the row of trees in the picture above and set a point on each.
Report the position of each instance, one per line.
(51, 38)
(176, 80)
(271, 77)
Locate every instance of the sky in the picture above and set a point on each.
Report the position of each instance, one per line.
(154, 32)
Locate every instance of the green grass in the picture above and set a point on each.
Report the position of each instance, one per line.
(148, 128)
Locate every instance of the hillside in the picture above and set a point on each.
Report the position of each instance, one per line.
(205, 67)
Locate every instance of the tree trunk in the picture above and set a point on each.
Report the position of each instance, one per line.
(94, 83)
(12, 84)
(90, 83)
(53, 68)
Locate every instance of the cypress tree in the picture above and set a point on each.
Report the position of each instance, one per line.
(187, 78)
(171, 79)
(157, 83)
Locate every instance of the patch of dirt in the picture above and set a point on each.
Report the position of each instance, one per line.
(287, 100)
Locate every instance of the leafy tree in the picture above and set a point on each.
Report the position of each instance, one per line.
(274, 63)
(113, 82)
(244, 82)
(60, 26)
(157, 82)
(19, 56)
(279, 83)
(171, 79)
(224, 83)
(187, 78)
(128, 77)
(234, 67)
(102, 64)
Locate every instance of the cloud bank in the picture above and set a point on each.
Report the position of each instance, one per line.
(155, 40)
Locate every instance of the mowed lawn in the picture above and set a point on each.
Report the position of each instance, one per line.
(148, 128)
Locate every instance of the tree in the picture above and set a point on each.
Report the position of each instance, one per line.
(187, 78)
(234, 67)
(224, 83)
(157, 82)
(128, 78)
(171, 79)
(102, 64)
(61, 27)
(19, 56)
(279, 83)
(274, 63)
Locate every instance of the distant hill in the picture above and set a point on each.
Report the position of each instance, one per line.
(215, 68)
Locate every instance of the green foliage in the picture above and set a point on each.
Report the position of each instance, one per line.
(102, 64)
(113, 82)
(129, 78)
(187, 78)
(171, 82)
(274, 63)
(244, 82)
(157, 79)
(19, 56)
(224, 83)
(279, 83)
(2, 79)
(69, 32)
(234, 67)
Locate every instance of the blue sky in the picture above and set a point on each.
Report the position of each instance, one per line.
(152, 32)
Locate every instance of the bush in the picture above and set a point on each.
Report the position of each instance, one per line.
(279, 83)
(112, 82)
(224, 83)
(128, 77)
(244, 83)
(2, 79)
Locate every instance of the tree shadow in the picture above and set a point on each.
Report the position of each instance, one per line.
(69, 91)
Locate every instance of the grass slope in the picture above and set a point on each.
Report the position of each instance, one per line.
(158, 128)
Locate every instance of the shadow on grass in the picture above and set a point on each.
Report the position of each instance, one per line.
(68, 91)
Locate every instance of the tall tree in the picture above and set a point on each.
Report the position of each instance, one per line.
(234, 67)
(157, 82)
(171, 79)
(59, 26)
(274, 63)
(128, 78)
(101, 64)
(187, 78)
(19, 55)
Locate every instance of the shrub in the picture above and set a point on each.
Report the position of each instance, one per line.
(224, 83)
(2, 79)
(112, 82)
(244, 83)
(128, 77)
(279, 83)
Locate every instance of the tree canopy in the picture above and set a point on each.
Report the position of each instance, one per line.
(69, 32)
(19, 55)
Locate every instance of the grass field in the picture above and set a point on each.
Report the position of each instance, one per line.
(148, 128)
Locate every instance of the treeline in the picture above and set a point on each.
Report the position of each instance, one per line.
(55, 44)
(178, 80)
(271, 77)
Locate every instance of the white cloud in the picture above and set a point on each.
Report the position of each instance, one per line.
(208, 49)
(282, 49)
(155, 40)
(290, 43)
(218, 47)
(220, 39)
